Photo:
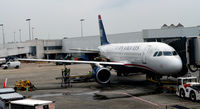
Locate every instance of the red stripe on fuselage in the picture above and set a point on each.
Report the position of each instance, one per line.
(135, 65)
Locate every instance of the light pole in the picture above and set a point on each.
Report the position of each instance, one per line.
(29, 22)
(14, 38)
(82, 27)
(3, 35)
(32, 33)
(20, 35)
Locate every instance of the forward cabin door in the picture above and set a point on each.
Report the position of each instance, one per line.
(146, 54)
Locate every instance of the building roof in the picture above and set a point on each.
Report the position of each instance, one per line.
(172, 25)
(179, 25)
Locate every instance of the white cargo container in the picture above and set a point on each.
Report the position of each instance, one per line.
(32, 104)
(7, 95)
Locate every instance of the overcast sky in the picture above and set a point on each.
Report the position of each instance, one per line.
(55, 19)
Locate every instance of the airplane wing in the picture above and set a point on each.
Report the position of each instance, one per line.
(73, 61)
(85, 50)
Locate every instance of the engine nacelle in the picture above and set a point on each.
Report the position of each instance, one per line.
(101, 75)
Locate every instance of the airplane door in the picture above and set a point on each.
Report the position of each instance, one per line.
(146, 54)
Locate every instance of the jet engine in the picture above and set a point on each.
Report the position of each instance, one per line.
(101, 75)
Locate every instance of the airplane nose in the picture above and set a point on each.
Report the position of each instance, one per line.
(175, 66)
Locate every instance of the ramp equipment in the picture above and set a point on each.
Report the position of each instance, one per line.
(188, 87)
(24, 85)
(32, 104)
(67, 78)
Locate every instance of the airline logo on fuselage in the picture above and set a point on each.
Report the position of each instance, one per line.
(129, 48)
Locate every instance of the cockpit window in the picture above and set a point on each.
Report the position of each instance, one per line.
(167, 53)
(175, 53)
(159, 53)
(155, 54)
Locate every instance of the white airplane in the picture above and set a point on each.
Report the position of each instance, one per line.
(153, 58)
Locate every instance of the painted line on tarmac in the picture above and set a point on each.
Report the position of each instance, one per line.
(47, 95)
(155, 104)
(138, 98)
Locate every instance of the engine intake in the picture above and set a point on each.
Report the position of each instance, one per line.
(101, 74)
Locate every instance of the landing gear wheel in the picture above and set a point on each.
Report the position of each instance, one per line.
(125, 74)
(192, 96)
(193, 68)
(119, 74)
(17, 67)
(5, 68)
(182, 93)
(157, 78)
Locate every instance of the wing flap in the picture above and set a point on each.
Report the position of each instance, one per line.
(73, 61)
(84, 50)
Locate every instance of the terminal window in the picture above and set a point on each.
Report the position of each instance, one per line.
(53, 48)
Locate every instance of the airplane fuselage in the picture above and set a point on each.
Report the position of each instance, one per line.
(156, 57)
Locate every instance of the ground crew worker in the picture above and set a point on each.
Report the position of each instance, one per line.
(66, 72)
(89, 73)
(66, 77)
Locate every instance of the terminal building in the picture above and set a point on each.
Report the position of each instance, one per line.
(51, 49)
(32, 49)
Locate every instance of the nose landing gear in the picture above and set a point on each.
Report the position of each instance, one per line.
(155, 79)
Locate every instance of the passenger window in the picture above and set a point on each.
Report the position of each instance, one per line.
(155, 54)
(160, 53)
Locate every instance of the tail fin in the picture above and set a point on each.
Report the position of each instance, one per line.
(103, 37)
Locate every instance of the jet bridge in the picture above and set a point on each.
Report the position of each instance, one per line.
(193, 53)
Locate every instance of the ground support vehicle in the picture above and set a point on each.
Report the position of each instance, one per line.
(11, 64)
(67, 79)
(24, 85)
(31, 104)
(7, 95)
(188, 87)
(2, 61)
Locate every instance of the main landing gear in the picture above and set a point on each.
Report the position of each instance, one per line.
(119, 73)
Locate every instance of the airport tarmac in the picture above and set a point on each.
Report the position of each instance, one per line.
(123, 93)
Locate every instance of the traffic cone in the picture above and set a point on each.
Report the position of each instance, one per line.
(5, 83)
(38, 64)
